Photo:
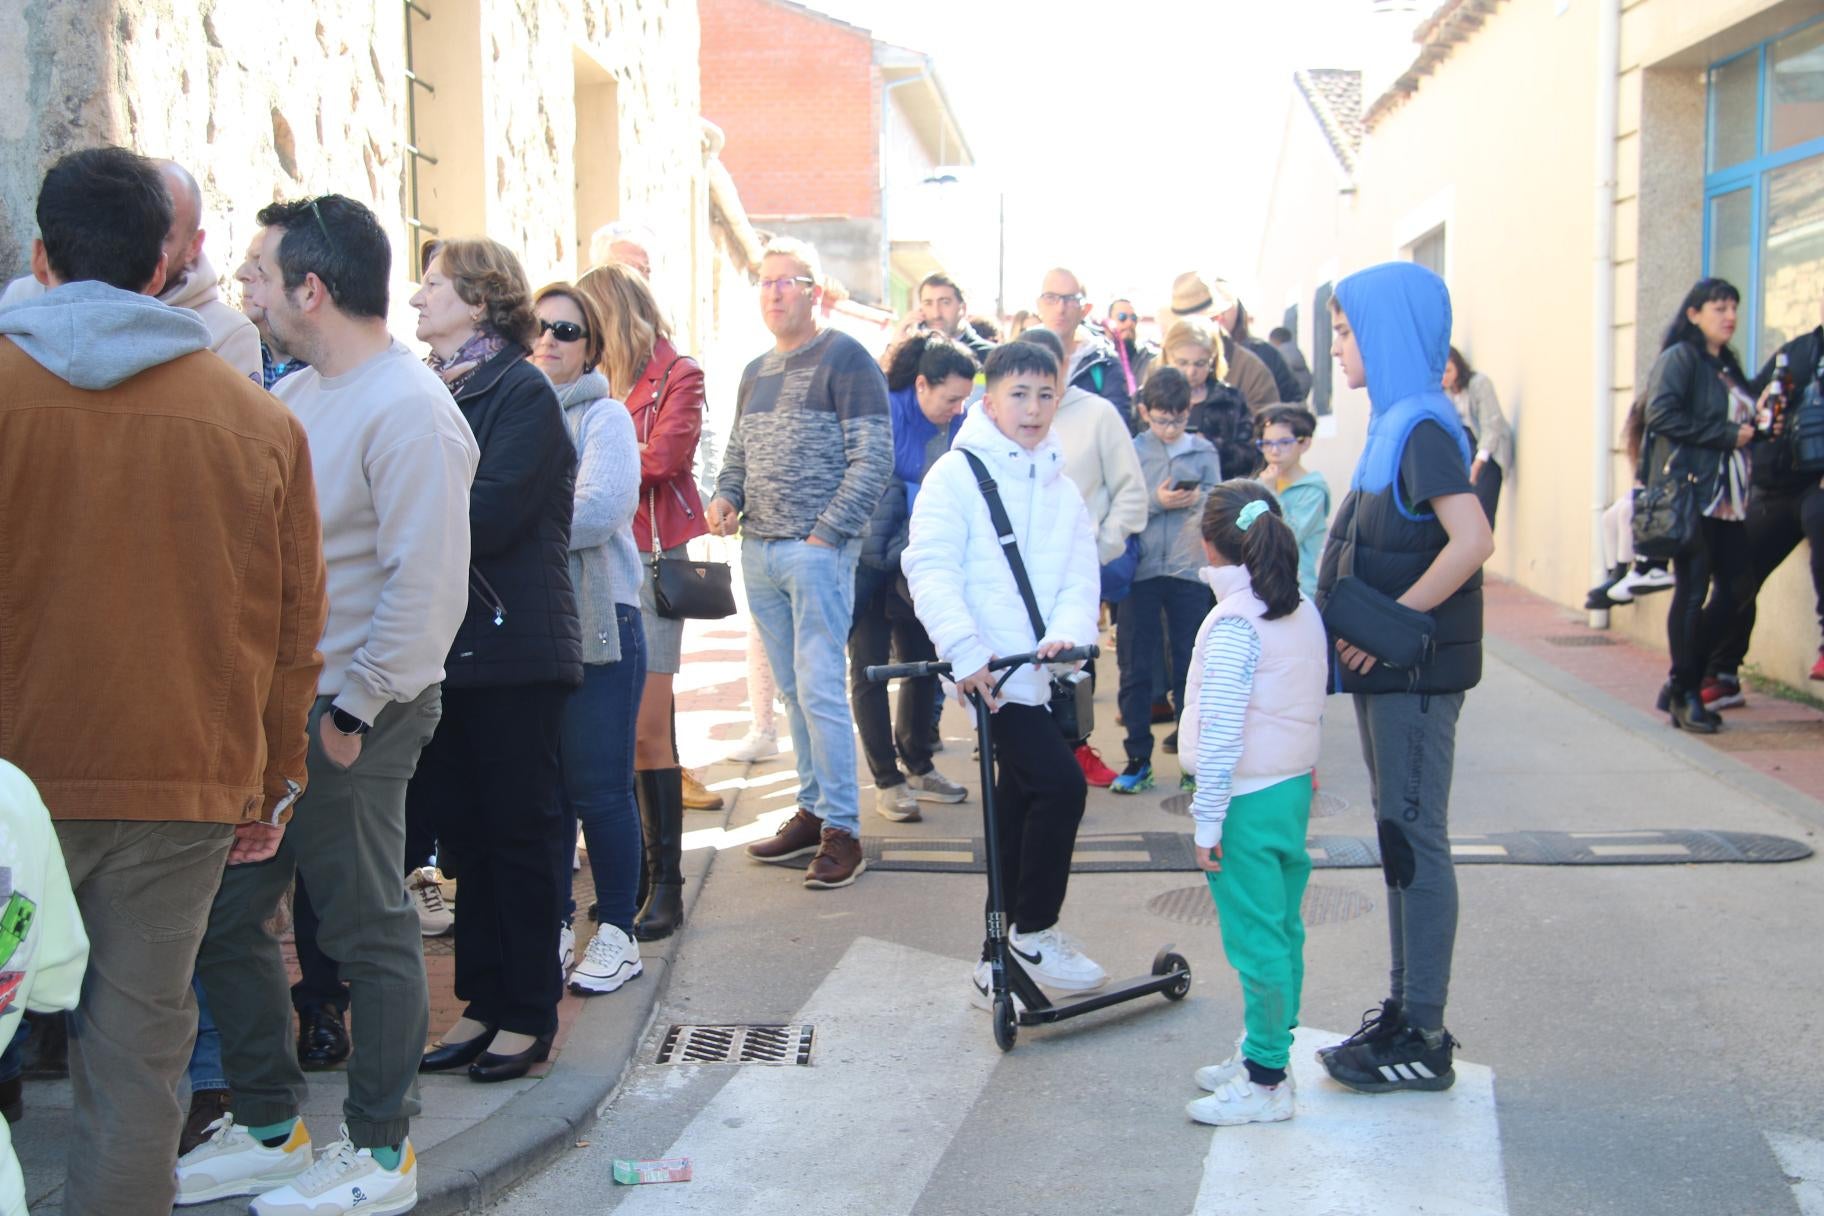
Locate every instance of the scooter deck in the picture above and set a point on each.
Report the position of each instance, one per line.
(1102, 998)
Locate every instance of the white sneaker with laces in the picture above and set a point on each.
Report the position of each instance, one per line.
(231, 1162)
(1213, 1077)
(1241, 1101)
(1643, 582)
(435, 917)
(981, 991)
(566, 948)
(898, 803)
(346, 1179)
(755, 745)
(1054, 960)
(935, 787)
(609, 960)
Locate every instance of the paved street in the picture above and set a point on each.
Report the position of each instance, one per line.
(1636, 1038)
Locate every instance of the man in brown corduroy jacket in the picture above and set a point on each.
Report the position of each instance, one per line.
(161, 600)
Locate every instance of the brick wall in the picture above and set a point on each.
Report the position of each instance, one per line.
(798, 97)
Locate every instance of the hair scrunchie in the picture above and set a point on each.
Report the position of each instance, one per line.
(1248, 514)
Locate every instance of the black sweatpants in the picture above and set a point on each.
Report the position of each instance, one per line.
(1777, 521)
(493, 783)
(1715, 563)
(1039, 793)
(887, 630)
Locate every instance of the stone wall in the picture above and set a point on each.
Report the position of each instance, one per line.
(266, 100)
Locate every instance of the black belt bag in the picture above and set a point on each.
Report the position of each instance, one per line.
(1073, 696)
(1374, 622)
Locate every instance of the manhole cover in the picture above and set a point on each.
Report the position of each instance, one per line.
(1768, 736)
(789, 1044)
(1323, 905)
(1323, 803)
(1580, 639)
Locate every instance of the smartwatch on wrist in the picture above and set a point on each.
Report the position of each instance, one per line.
(346, 723)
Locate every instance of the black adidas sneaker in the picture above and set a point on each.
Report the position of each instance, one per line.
(1377, 1024)
(1409, 1058)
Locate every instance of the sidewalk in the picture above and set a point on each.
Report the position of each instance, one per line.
(476, 1141)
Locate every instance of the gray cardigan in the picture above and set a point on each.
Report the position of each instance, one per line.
(1485, 418)
(604, 562)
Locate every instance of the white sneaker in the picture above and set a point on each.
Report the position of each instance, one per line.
(610, 960)
(756, 745)
(1214, 1076)
(1242, 1101)
(566, 948)
(898, 803)
(435, 918)
(346, 1179)
(1642, 582)
(981, 991)
(1054, 960)
(231, 1162)
(935, 787)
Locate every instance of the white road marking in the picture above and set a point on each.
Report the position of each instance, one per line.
(900, 1058)
(1350, 1154)
(1802, 1159)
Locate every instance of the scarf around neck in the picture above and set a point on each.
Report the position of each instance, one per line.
(456, 370)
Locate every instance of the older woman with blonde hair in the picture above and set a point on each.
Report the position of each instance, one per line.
(1218, 411)
(491, 777)
(663, 391)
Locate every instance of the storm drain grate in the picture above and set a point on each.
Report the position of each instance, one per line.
(1322, 905)
(1323, 804)
(1580, 639)
(787, 1044)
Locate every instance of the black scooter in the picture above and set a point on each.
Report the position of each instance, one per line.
(1018, 1000)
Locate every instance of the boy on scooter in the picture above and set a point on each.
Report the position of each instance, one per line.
(970, 603)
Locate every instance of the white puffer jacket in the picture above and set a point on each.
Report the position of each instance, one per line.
(961, 583)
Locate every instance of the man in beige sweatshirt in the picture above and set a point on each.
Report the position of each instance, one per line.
(190, 280)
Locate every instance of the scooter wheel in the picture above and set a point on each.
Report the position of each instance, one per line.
(1166, 962)
(1006, 1028)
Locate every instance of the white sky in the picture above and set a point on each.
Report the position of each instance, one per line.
(1134, 138)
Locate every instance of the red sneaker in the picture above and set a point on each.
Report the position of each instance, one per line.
(1817, 669)
(1094, 771)
(1721, 692)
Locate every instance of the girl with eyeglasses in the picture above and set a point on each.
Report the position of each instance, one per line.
(1283, 435)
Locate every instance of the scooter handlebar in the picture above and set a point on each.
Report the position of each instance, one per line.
(904, 671)
(1075, 654)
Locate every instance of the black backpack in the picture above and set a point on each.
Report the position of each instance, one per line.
(1808, 430)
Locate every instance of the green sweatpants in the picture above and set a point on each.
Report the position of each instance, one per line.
(1257, 893)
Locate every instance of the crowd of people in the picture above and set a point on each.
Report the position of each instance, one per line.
(411, 629)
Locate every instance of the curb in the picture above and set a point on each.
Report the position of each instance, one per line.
(476, 1166)
(1652, 728)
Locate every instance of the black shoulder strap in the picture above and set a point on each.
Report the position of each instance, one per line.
(1003, 528)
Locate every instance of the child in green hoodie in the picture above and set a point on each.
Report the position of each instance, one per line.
(1283, 435)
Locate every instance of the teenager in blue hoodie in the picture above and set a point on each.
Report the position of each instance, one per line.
(1412, 529)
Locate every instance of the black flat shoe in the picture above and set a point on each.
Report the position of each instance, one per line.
(444, 1056)
(322, 1038)
(491, 1067)
(1688, 713)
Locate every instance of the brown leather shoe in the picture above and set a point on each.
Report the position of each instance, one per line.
(696, 796)
(797, 837)
(206, 1106)
(837, 863)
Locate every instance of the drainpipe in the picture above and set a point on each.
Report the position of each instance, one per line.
(886, 233)
(1602, 376)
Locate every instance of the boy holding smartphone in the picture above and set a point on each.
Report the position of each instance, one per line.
(1179, 468)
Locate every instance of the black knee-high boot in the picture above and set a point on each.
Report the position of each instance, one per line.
(662, 825)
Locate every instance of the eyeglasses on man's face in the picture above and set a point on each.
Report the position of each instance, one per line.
(788, 285)
(1051, 299)
(563, 331)
(1122, 316)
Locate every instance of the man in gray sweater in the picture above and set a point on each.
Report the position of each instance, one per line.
(811, 452)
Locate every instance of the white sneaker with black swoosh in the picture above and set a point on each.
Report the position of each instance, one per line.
(1054, 960)
(981, 990)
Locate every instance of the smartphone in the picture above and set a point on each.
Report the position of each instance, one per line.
(1192, 484)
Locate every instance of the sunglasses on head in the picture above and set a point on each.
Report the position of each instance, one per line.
(563, 331)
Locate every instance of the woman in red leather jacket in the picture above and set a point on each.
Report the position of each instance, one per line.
(663, 390)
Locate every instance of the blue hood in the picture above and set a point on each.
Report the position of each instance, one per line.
(1400, 313)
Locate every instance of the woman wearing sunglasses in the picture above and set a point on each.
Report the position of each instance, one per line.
(605, 566)
(663, 392)
(490, 778)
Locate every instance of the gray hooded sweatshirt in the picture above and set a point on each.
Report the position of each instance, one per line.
(93, 336)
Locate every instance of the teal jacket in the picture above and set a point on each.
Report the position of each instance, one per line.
(1306, 505)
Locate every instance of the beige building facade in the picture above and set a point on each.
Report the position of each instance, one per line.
(1568, 239)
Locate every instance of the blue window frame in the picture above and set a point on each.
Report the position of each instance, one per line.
(1764, 185)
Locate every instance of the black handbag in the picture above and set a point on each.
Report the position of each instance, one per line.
(1665, 513)
(1073, 696)
(1374, 622)
(683, 589)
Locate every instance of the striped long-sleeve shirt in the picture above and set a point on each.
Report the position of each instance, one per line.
(1230, 654)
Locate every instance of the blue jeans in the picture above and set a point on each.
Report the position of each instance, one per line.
(1183, 604)
(206, 1056)
(598, 771)
(802, 597)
